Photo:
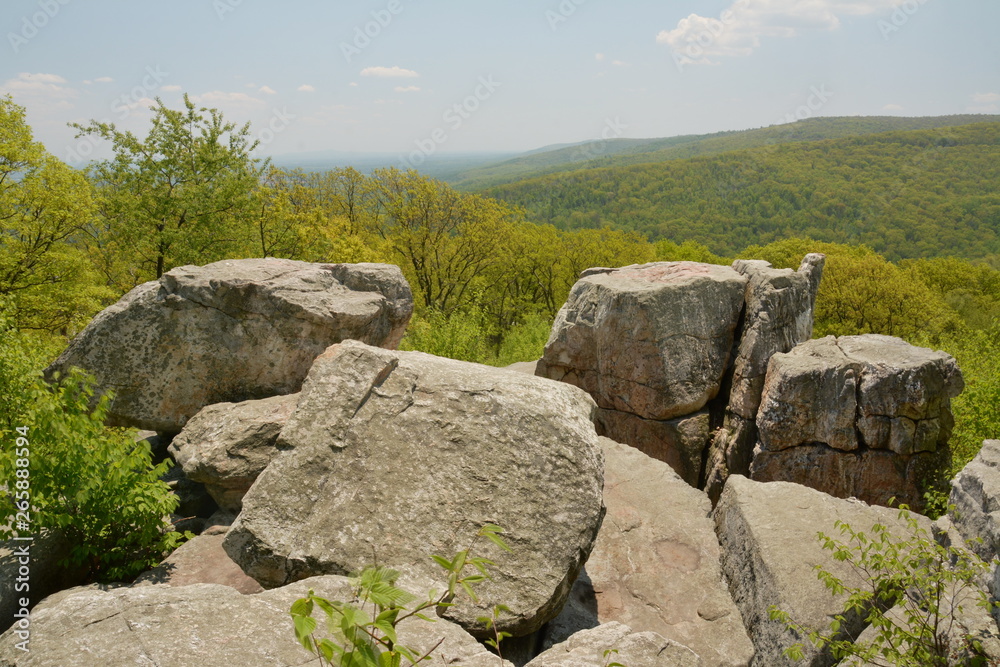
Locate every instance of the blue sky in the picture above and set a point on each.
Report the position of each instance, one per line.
(492, 75)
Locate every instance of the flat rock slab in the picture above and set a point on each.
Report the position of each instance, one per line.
(768, 533)
(655, 566)
(231, 331)
(204, 624)
(590, 648)
(227, 445)
(400, 455)
(653, 340)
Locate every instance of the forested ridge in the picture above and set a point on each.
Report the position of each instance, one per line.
(919, 193)
(621, 152)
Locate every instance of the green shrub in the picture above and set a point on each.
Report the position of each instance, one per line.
(95, 485)
(913, 594)
(363, 632)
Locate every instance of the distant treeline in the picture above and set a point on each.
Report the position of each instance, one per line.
(923, 193)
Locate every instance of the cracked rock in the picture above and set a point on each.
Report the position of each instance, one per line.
(399, 455)
(231, 331)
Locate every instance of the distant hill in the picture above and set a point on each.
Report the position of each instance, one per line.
(907, 193)
(443, 166)
(624, 152)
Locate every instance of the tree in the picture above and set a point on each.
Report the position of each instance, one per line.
(184, 194)
(46, 281)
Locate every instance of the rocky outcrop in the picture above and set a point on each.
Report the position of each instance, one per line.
(863, 416)
(231, 331)
(398, 455)
(680, 443)
(655, 565)
(615, 642)
(652, 340)
(778, 315)
(202, 560)
(975, 495)
(227, 445)
(769, 553)
(203, 624)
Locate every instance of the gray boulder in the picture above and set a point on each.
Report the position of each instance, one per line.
(655, 565)
(615, 642)
(205, 624)
(231, 331)
(399, 455)
(653, 340)
(778, 316)
(863, 416)
(768, 534)
(975, 494)
(227, 445)
(680, 443)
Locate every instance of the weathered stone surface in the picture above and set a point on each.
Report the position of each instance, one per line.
(653, 339)
(864, 416)
(227, 445)
(778, 316)
(201, 560)
(204, 624)
(810, 396)
(975, 493)
(769, 550)
(231, 331)
(655, 565)
(41, 556)
(635, 649)
(399, 455)
(875, 476)
(678, 442)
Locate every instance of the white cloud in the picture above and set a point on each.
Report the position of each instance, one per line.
(738, 30)
(598, 57)
(619, 63)
(39, 88)
(407, 89)
(985, 103)
(353, 84)
(892, 107)
(172, 88)
(267, 90)
(104, 79)
(306, 88)
(393, 71)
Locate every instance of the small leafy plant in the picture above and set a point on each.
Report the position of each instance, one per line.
(363, 631)
(914, 593)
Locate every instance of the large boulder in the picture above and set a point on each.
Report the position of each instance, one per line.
(655, 565)
(227, 445)
(653, 340)
(864, 416)
(975, 495)
(396, 456)
(205, 624)
(778, 316)
(231, 331)
(770, 550)
(616, 642)
(680, 442)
